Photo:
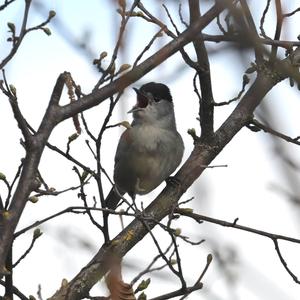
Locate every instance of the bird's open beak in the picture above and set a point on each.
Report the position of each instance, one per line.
(142, 101)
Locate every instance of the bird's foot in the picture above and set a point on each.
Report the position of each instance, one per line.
(173, 180)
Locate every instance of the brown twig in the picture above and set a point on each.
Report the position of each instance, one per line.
(179, 292)
(125, 16)
(279, 21)
(35, 236)
(5, 4)
(10, 92)
(274, 237)
(164, 27)
(208, 262)
(283, 262)
(148, 46)
(198, 217)
(178, 272)
(17, 40)
(202, 155)
(149, 268)
(236, 38)
(206, 101)
(267, 129)
(245, 82)
(291, 13)
(262, 20)
(253, 31)
(15, 291)
(71, 209)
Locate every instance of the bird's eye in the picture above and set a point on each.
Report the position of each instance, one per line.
(142, 101)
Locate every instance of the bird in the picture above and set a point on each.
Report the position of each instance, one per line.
(149, 150)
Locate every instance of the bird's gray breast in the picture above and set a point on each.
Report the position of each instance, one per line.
(145, 157)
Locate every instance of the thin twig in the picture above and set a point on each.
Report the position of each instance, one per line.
(75, 210)
(15, 291)
(5, 4)
(17, 40)
(236, 38)
(168, 32)
(179, 292)
(34, 238)
(206, 101)
(53, 192)
(208, 262)
(82, 196)
(125, 18)
(279, 21)
(158, 34)
(198, 217)
(171, 19)
(162, 255)
(149, 268)
(283, 262)
(252, 28)
(291, 13)
(181, 16)
(245, 82)
(262, 20)
(272, 236)
(13, 100)
(275, 133)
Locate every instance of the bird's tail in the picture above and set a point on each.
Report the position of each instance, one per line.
(113, 198)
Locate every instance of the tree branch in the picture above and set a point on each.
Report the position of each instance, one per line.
(206, 101)
(274, 237)
(267, 129)
(143, 68)
(202, 155)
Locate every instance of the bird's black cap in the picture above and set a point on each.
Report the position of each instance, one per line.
(159, 91)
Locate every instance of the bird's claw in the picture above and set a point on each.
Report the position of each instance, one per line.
(173, 180)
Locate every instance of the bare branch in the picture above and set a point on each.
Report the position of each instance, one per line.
(5, 4)
(240, 40)
(36, 234)
(291, 13)
(198, 217)
(252, 28)
(15, 291)
(245, 82)
(262, 20)
(206, 103)
(149, 268)
(162, 206)
(274, 237)
(17, 40)
(179, 292)
(278, 29)
(198, 282)
(283, 262)
(267, 129)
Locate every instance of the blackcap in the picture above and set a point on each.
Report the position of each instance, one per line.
(151, 149)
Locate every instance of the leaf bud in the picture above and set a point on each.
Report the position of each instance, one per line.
(46, 30)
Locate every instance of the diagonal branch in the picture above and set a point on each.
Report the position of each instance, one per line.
(162, 206)
(55, 114)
